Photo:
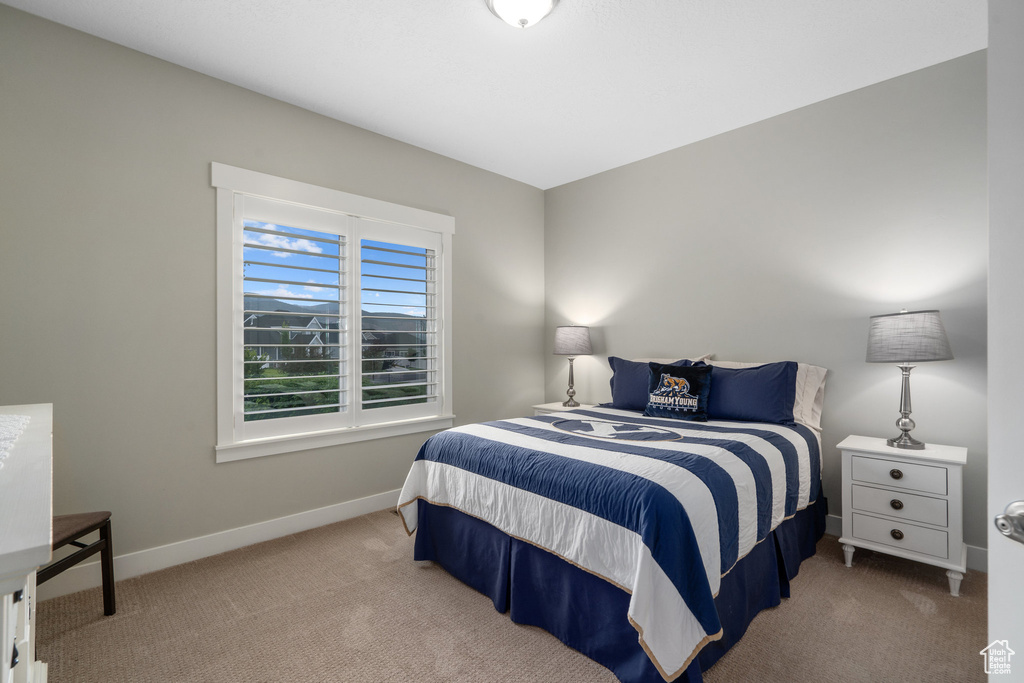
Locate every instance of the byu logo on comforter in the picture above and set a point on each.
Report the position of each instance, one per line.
(673, 392)
(621, 431)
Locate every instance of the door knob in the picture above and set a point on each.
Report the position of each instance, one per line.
(1011, 522)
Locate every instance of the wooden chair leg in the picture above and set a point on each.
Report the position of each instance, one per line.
(107, 567)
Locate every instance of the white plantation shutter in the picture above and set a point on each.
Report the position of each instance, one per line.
(292, 306)
(399, 352)
(331, 316)
(294, 321)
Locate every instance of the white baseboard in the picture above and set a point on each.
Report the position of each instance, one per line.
(977, 558)
(834, 525)
(87, 574)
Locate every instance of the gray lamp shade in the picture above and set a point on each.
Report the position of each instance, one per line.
(914, 337)
(572, 340)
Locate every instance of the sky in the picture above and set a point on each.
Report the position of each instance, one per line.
(303, 266)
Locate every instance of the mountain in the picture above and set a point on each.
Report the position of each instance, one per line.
(397, 322)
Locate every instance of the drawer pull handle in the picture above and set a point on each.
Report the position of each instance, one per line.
(897, 534)
(896, 474)
(896, 504)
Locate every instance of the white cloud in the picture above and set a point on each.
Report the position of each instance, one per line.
(281, 242)
(282, 291)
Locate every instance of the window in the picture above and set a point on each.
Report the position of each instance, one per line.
(332, 313)
(397, 286)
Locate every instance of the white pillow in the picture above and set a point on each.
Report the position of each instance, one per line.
(810, 390)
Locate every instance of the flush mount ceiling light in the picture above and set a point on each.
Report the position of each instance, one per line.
(521, 13)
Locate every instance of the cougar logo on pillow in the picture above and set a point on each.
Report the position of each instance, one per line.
(673, 392)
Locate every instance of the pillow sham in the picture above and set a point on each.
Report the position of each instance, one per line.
(706, 358)
(630, 382)
(765, 393)
(810, 390)
(679, 392)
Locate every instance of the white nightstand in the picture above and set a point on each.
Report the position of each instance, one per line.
(905, 503)
(556, 407)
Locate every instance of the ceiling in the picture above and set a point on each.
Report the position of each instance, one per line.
(598, 84)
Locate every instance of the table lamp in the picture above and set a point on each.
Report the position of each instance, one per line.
(905, 338)
(572, 341)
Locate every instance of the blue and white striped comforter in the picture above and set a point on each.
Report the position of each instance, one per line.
(661, 508)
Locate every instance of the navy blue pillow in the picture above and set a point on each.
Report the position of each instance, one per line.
(679, 392)
(630, 380)
(760, 394)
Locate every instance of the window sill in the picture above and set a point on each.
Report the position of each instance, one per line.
(300, 442)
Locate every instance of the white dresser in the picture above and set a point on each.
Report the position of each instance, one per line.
(26, 515)
(905, 503)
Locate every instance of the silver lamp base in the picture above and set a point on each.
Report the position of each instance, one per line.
(905, 440)
(571, 402)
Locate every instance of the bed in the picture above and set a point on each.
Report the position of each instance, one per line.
(646, 539)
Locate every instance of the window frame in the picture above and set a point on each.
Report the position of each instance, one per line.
(357, 216)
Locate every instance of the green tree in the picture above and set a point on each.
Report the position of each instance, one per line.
(254, 369)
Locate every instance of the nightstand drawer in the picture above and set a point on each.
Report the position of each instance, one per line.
(904, 475)
(901, 505)
(915, 538)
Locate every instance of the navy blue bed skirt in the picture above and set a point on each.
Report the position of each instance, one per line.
(588, 613)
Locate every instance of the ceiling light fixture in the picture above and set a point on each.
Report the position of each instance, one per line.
(521, 13)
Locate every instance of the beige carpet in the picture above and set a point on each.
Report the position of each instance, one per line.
(346, 602)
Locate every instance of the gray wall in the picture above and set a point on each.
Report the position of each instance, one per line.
(778, 240)
(107, 279)
(775, 241)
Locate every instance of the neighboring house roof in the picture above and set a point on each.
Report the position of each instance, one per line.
(283, 319)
